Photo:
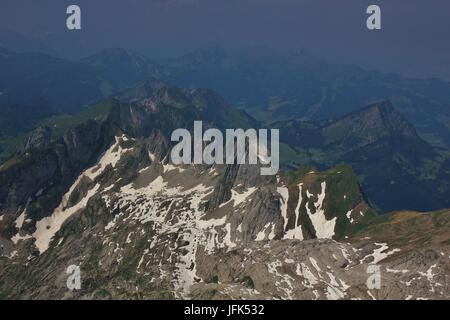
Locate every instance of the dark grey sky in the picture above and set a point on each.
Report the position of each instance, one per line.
(414, 40)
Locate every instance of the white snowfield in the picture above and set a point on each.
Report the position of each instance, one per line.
(195, 230)
(284, 193)
(297, 232)
(239, 198)
(48, 226)
(324, 228)
(380, 253)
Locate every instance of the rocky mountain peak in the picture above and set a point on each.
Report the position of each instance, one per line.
(39, 137)
(383, 115)
(372, 123)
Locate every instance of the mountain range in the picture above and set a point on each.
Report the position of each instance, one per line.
(270, 86)
(274, 86)
(102, 194)
(87, 180)
(396, 167)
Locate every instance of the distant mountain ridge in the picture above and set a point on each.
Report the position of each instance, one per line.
(394, 163)
(37, 86)
(276, 86)
(121, 69)
(20, 43)
(269, 86)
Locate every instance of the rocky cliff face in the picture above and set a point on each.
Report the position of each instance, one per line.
(106, 197)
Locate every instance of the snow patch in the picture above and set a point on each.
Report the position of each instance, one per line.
(379, 253)
(20, 219)
(297, 232)
(239, 198)
(48, 226)
(324, 228)
(284, 193)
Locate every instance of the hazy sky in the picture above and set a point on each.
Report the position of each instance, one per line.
(415, 39)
